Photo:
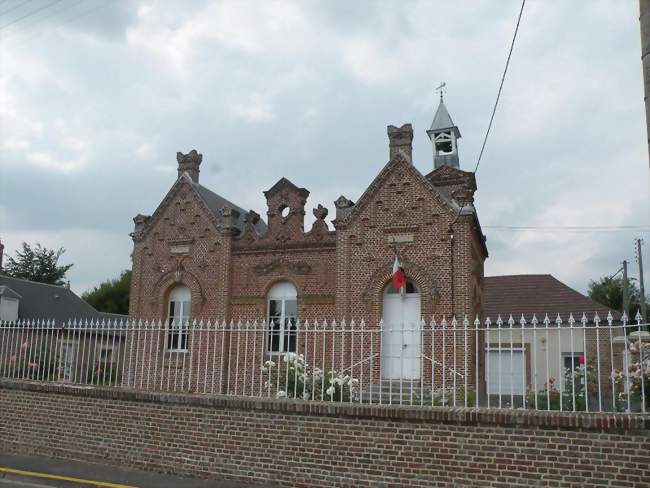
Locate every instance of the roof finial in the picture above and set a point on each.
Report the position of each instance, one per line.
(441, 88)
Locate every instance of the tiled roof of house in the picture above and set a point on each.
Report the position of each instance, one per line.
(538, 294)
(50, 302)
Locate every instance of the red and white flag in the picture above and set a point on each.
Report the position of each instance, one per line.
(398, 277)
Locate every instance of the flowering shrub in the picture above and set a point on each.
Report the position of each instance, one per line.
(573, 392)
(637, 380)
(293, 378)
(31, 363)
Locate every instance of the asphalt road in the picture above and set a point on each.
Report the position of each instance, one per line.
(41, 472)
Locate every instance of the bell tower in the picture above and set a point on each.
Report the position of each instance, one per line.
(444, 136)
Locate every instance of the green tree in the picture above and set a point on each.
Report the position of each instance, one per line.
(111, 296)
(38, 264)
(609, 292)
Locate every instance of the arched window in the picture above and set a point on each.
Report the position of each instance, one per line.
(282, 317)
(178, 315)
(409, 288)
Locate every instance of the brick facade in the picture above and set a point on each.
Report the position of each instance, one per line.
(230, 258)
(306, 444)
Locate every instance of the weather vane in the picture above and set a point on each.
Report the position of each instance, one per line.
(441, 88)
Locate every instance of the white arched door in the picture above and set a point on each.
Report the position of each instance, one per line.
(401, 339)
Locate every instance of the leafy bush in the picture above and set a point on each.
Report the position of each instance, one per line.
(573, 394)
(103, 374)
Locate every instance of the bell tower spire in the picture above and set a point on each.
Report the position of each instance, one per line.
(444, 135)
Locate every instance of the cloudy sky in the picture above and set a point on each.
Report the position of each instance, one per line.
(96, 97)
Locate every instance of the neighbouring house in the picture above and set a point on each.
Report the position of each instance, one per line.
(526, 358)
(48, 323)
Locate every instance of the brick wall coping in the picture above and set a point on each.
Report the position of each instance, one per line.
(605, 422)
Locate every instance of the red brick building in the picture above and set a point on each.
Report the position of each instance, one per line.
(201, 256)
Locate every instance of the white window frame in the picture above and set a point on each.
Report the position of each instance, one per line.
(181, 296)
(283, 292)
(576, 362)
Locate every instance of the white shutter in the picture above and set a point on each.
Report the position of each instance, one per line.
(508, 365)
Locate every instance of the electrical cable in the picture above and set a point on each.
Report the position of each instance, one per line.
(14, 7)
(65, 8)
(29, 14)
(503, 77)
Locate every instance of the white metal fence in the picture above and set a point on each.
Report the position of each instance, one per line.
(549, 364)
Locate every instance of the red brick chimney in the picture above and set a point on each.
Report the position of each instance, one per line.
(400, 139)
(189, 163)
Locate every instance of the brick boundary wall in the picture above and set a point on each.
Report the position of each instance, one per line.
(309, 444)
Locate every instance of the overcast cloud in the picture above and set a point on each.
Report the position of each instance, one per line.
(96, 98)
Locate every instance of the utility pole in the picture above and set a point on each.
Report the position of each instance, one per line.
(626, 297)
(639, 259)
(644, 21)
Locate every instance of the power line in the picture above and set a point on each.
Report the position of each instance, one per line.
(572, 227)
(15, 7)
(28, 14)
(52, 13)
(569, 229)
(67, 21)
(503, 77)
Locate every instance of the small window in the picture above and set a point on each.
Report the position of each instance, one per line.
(409, 288)
(572, 361)
(178, 317)
(282, 318)
(106, 355)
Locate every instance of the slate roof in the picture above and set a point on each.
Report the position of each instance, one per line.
(537, 294)
(5, 291)
(442, 120)
(43, 301)
(216, 202)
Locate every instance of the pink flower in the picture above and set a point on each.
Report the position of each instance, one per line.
(581, 360)
(24, 345)
(32, 365)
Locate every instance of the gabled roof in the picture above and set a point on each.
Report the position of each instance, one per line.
(442, 120)
(538, 294)
(212, 202)
(43, 301)
(399, 158)
(285, 183)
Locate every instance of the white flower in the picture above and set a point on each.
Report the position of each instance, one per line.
(281, 394)
(306, 396)
(330, 391)
(354, 382)
(264, 369)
